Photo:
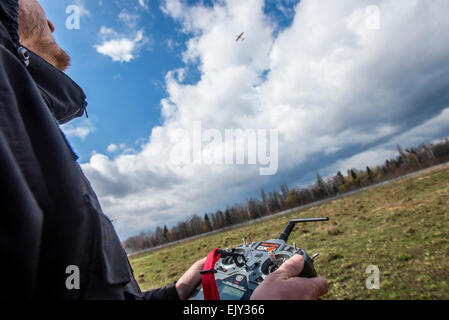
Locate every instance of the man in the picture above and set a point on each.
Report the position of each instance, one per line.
(52, 224)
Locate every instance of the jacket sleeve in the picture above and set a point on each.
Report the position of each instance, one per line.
(165, 293)
(22, 216)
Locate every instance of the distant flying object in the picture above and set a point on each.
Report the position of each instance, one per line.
(240, 37)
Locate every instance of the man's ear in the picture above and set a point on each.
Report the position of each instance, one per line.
(51, 26)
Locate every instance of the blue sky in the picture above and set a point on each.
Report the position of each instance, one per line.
(124, 97)
(342, 85)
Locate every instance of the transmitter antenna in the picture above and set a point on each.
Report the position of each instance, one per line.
(289, 228)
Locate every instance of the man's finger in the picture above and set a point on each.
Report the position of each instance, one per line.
(292, 267)
(319, 285)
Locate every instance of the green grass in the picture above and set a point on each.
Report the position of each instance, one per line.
(401, 227)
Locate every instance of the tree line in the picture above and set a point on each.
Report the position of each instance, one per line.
(406, 161)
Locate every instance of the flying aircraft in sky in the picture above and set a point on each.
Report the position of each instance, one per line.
(240, 37)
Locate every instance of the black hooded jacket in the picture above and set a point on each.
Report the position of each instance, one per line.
(50, 216)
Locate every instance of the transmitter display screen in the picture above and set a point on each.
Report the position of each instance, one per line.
(230, 293)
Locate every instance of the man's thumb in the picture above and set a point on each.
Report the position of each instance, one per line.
(292, 267)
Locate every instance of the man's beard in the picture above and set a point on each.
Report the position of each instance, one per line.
(54, 54)
(62, 59)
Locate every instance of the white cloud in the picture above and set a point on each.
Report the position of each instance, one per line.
(79, 131)
(360, 161)
(131, 20)
(82, 6)
(112, 148)
(119, 47)
(327, 83)
(143, 4)
(122, 46)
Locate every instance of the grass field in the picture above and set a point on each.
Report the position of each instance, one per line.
(401, 227)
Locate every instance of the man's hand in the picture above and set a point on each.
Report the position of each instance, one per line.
(189, 280)
(284, 283)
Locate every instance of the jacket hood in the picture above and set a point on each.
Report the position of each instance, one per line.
(9, 19)
(9, 29)
(65, 99)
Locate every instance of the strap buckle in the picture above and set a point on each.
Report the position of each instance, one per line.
(208, 271)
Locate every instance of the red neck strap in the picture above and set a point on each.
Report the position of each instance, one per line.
(210, 290)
